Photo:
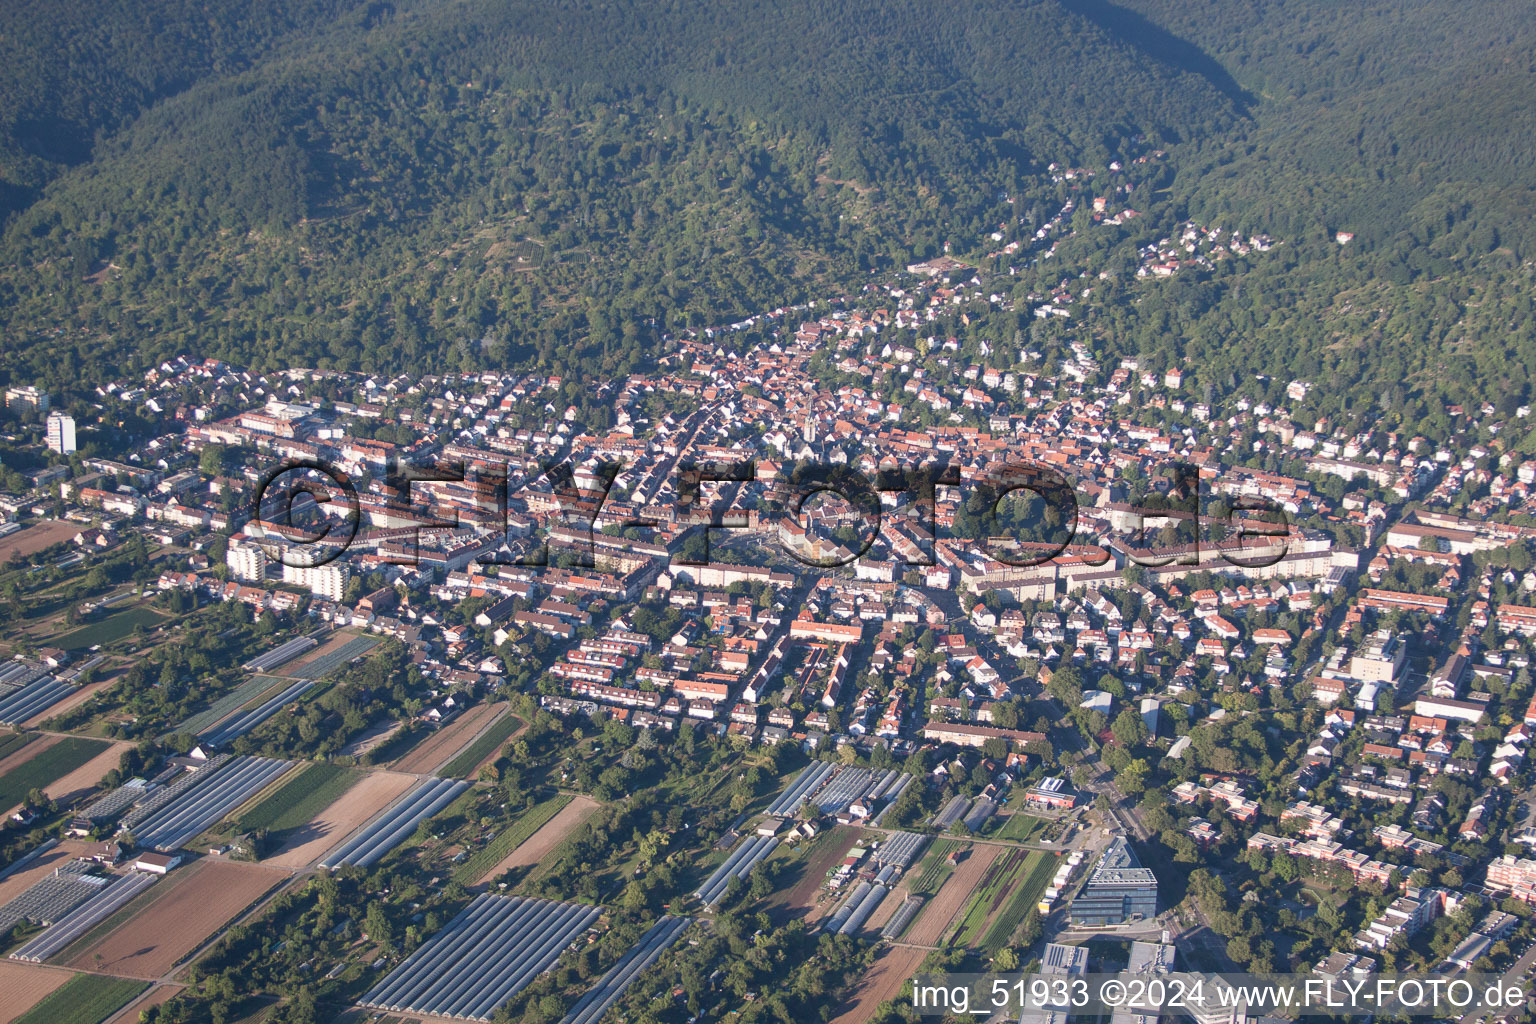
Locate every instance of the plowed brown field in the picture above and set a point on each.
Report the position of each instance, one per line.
(25, 985)
(933, 920)
(310, 842)
(177, 917)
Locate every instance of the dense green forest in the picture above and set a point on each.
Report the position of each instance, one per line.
(467, 183)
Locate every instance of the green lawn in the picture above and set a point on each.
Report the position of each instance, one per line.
(479, 750)
(55, 762)
(1018, 827)
(83, 999)
(113, 627)
(510, 839)
(300, 798)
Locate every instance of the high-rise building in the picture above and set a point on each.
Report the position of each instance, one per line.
(26, 397)
(1119, 890)
(329, 581)
(247, 562)
(61, 433)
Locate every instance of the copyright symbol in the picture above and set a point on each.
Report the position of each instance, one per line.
(1112, 993)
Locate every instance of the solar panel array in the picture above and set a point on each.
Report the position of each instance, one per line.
(482, 958)
(232, 784)
(370, 843)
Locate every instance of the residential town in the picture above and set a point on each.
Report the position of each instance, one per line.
(1272, 651)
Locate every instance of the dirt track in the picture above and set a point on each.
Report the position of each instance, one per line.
(153, 996)
(934, 919)
(177, 915)
(39, 535)
(308, 843)
(881, 982)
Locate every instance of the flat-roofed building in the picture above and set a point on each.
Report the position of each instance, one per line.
(1118, 891)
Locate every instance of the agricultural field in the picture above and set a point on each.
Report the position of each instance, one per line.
(176, 917)
(530, 838)
(112, 628)
(826, 852)
(236, 699)
(26, 985)
(44, 865)
(334, 653)
(12, 742)
(989, 896)
(311, 790)
(88, 776)
(881, 982)
(310, 840)
(42, 534)
(933, 923)
(83, 999)
(467, 762)
(446, 741)
(42, 765)
(934, 869)
(1020, 902)
(1018, 827)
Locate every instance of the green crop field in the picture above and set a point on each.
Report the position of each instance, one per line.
(1018, 827)
(83, 999)
(993, 885)
(934, 869)
(12, 742)
(479, 750)
(230, 702)
(300, 798)
(55, 762)
(1037, 874)
(113, 627)
(510, 839)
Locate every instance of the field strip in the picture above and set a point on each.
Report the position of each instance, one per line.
(939, 912)
(309, 842)
(25, 985)
(551, 834)
(882, 981)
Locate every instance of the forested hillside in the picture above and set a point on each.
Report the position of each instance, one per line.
(457, 183)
